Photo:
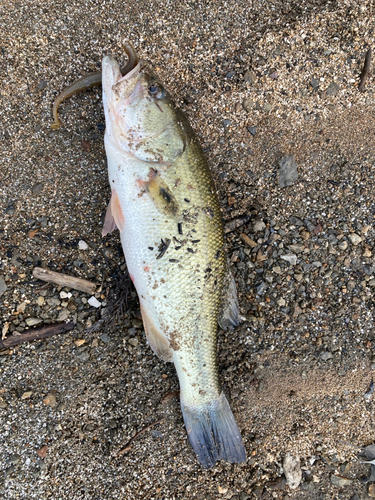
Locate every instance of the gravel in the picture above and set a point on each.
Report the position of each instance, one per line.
(260, 82)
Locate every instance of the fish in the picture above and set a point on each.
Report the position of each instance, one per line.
(164, 204)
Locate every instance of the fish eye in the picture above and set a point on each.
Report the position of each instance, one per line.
(156, 91)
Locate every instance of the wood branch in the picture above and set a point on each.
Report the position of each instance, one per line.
(365, 72)
(36, 334)
(64, 280)
(130, 442)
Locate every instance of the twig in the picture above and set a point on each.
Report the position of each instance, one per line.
(36, 334)
(64, 280)
(130, 442)
(169, 395)
(366, 70)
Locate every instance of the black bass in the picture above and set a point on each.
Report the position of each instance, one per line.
(164, 203)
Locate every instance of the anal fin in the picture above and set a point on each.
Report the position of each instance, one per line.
(159, 344)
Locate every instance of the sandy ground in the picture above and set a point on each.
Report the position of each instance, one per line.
(259, 81)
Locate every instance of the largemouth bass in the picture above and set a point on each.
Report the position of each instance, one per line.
(164, 203)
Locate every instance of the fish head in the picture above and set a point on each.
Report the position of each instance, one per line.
(141, 119)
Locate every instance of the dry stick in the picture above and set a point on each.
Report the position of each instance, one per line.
(36, 334)
(366, 70)
(130, 442)
(64, 280)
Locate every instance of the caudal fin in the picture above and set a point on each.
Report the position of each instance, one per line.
(213, 432)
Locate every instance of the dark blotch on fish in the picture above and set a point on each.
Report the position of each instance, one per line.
(179, 225)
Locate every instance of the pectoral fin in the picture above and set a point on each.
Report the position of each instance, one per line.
(229, 316)
(114, 216)
(159, 344)
(161, 195)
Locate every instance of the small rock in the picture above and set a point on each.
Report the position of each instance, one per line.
(292, 470)
(37, 188)
(133, 342)
(86, 146)
(63, 315)
(325, 355)
(281, 302)
(340, 481)
(315, 83)
(82, 245)
(297, 310)
(3, 286)
(370, 452)
(332, 89)
(226, 123)
(371, 490)
(248, 105)
(252, 130)
(105, 338)
(42, 84)
(94, 302)
(33, 321)
(40, 301)
(287, 173)
(267, 107)
(250, 77)
(50, 400)
(26, 395)
(83, 356)
(222, 490)
(259, 226)
(355, 239)
(367, 251)
(42, 452)
(343, 245)
(291, 258)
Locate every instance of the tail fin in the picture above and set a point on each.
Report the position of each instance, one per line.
(213, 432)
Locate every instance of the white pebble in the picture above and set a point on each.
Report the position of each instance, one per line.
(82, 245)
(94, 302)
(292, 470)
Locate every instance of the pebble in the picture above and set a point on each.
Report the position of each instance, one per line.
(3, 286)
(287, 174)
(244, 237)
(40, 301)
(259, 226)
(325, 355)
(26, 395)
(332, 89)
(50, 400)
(340, 481)
(250, 77)
(281, 302)
(94, 302)
(252, 130)
(133, 342)
(82, 245)
(355, 239)
(292, 470)
(291, 258)
(371, 490)
(37, 188)
(63, 315)
(105, 338)
(343, 245)
(33, 321)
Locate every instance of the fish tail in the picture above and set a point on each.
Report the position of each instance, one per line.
(213, 432)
